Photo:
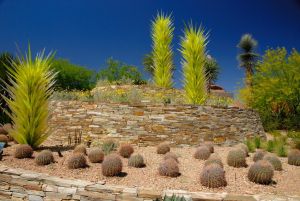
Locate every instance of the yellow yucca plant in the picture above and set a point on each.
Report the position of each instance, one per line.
(31, 86)
(162, 35)
(193, 50)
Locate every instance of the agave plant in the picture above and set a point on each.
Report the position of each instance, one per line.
(31, 86)
(193, 45)
(162, 35)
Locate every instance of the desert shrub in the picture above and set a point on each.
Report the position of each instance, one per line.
(210, 146)
(280, 149)
(202, 153)
(76, 161)
(81, 148)
(169, 168)
(163, 148)
(274, 160)
(270, 146)
(72, 95)
(112, 165)
(23, 151)
(172, 156)
(259, 154)
(44, 158)
(4, 139)
(250, 145)
(261, 172)
(244, 148)
(213, 176)
(126, 150)
(257, 141)
(108, 146)
(294, 157)
(236, 158)
(96, 155)
(214, 159)
(136, 160)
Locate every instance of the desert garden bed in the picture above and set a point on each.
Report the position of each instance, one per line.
(285, 182)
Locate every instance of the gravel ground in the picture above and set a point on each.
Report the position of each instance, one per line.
(286, 182)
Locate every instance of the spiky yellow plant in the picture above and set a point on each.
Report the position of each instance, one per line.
(162, 35)
(193, 50)
(31, 86)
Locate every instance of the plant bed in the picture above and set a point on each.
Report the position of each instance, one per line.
(285, 182)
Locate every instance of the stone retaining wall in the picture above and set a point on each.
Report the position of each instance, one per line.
(151, 124)
(18, 184)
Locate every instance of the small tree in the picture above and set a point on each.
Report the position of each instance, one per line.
(162, 35)
(193, 50)
(148, 63)
(212, 71)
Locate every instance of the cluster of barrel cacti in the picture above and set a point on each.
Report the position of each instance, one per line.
(169, 166)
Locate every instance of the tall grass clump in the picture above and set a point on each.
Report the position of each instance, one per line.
(162, 36)
(31, 86)
(193, 50)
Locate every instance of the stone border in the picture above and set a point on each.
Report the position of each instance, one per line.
(19, 184)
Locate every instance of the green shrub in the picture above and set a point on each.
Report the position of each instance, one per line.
(112, 165)
(202, 153)
(169, 168)
(44, 158)
(136, 160)
(163, 148)
(280, 150)
(173, 198)
(274, 160)
(108, 146)
(76, 161)
(249, 143)
(96, 155)
(293, 134)
(126, 150)
(213, 176)
(261, 172)
(236, 158)
(257, 142)
(294, 157)
(270, 145)
(23, 151)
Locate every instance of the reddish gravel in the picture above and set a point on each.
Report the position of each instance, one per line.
(286, 182)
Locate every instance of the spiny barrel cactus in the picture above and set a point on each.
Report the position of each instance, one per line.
(210, 146)
(214, 158)
(96, 155)
(213, 176)
(112, 165)
(244, 148)
(23, 151)
(77, 160)
(126, 150)
(136, 160)
(81, 148)
(261, 172)
(294, 157)
(163, 148)
(236, 158)
(169, 168)
(202, 153)
(171, 155)
(44, 158)
(259, 155)
(274, 160)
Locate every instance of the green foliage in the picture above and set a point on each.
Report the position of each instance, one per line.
(117, 71)
(173, 198)
(193, 50)
(44, 158)
(250, 145)
(261, 172)
(213, 176)
(212, 70)
(72, 95)
(280, 149)
(148, 63)
(108, 146)
(71, 76)
(257, 142)
(112, 165)
(270, 145)
(31, 86)
(162, 36)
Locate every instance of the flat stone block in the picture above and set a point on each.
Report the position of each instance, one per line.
(233, 197)
(35, 198)
(149, 193)
(202, 196)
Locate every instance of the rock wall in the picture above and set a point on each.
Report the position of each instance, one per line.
(22, 185)
(152, 124)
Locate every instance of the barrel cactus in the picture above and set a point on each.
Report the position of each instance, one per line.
(76, 161)
(169, 168)
(44, 158)
(112, 165)
(236, 158)
(81, 148)
(23, 151)
(202, 153)
(214, 159)
(136, 160)
(213, 176)
(274, 160)
(244, 148)
(261, 172)
(294, 157)
(163, 148)
(210, 146)
(259, 155)
(96, 155)
(126, 150)
(171, 155)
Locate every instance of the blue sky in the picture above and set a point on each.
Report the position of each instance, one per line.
(87, 32)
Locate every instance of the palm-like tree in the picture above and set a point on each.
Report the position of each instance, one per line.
(212, 71)
(248, 56)
(148, 63)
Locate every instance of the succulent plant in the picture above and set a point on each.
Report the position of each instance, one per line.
(44, 158)
(169, 168)
(126, 150)
(112, 165)
(136, 160)
(77, 160)
(202, 153)
(96, 155)
(210, 146)
(108, 146)
(294, 157)
(163, 148)
(173, 198)
(236, 158)
(4, 139)
(243, 147)
(259, 155)
(261, 172)
(214, 158)
(81, 148)
(23, 151)
(274, 160)
(213, 176)
(171, 155)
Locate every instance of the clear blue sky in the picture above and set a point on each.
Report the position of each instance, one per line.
(87, 32)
